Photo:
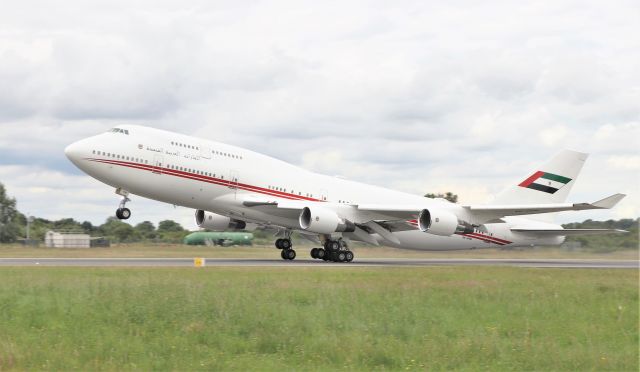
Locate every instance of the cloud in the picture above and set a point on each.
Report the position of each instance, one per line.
(631, 162)
(418, 96)
(553, 136)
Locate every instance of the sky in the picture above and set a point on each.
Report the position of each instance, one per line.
(418, 96)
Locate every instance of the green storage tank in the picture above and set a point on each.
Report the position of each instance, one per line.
(218, 238)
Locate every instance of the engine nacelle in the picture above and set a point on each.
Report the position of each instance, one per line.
(323, 221)
(216, 222)
(441, 222)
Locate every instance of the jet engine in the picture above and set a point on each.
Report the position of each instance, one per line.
(323, 221)
(216, 222)
(441, 222)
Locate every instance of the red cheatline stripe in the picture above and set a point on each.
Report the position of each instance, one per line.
(530, 180)
(483, 239)
(487, 238)
(153, 168)
(493, 237)
(208, 179)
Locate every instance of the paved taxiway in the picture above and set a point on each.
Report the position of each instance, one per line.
(380, 262)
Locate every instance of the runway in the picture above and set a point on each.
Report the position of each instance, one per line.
(368, 262)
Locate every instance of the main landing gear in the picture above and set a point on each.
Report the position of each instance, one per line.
(334, 250)
(287, 252)
(122, 212)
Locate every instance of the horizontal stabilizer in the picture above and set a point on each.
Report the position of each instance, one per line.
(609, 202)
(484, 213)
(566, 232)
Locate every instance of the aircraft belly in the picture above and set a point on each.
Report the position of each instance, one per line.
(416, 239)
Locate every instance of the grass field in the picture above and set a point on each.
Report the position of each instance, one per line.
(269, 251)
(468, 318)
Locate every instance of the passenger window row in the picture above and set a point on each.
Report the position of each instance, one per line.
(226, 154)
(184, 145)
(214, 152)
(140, 160)
(118, 156)
(189, 170)
(282, 189)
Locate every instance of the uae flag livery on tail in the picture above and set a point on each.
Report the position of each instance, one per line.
(545, 181)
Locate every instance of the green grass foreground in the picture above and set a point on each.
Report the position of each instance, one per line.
(468, 318)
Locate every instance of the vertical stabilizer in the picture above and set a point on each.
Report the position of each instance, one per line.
(551, 182)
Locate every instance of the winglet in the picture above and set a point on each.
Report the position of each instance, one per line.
(609, 202)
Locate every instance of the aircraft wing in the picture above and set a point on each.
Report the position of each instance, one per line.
(566, 232)
(389, 217)
(388, 212)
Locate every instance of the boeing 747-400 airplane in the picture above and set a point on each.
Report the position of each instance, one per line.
(233, 188)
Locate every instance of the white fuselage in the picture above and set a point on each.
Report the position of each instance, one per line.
(216, 177)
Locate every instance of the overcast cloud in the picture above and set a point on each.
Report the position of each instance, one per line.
(420, 96)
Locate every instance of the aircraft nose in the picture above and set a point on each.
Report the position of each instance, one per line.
(71, 151)
(74, 152)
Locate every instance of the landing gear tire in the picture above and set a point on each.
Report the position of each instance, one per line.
(332, 245)
(341, 257)
(123, 213)
(349, 256)
(288, 254)
(327, 256)
(333, 256)
(318, 253)
(283, 243)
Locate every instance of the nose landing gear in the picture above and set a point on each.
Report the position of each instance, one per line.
(123, 213)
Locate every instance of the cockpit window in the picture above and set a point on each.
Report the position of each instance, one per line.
(119, 130)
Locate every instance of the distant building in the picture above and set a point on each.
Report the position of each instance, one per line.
(53, 239)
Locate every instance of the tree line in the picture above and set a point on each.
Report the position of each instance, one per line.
(608, 242)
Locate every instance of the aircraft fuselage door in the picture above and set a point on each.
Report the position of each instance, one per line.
(157, 164)
(205, 152)
(324, 195)
(233, 179)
